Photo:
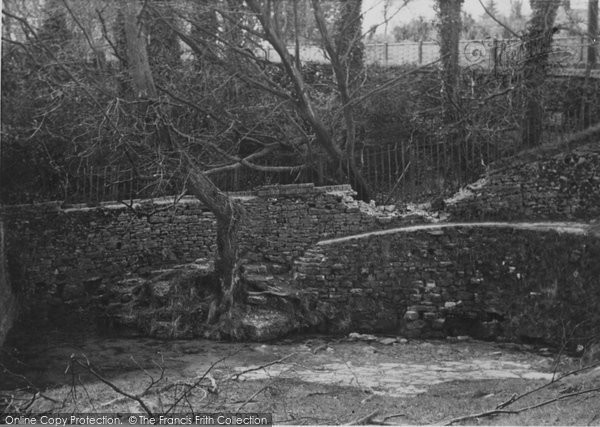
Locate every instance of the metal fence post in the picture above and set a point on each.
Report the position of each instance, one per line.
(386, 53)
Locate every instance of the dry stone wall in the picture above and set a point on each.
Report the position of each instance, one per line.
(485, 281)
(537, 185)
(62, 255)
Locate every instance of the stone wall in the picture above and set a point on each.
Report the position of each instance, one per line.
(506, 280)
(61, 255)
(7, 299)
(488, 280)
(547, 183)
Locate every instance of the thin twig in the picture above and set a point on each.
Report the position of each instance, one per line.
(520, 410)
(479, 415)
(195, 384)
(29, 384)
(389, 417)
(258, 368)
(252, 397)
(397, 183)
(363, 420)
(553, 381)
(88, 367)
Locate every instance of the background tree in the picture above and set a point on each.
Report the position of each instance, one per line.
(418, 29)
(592, 54)
(537, 46)
(54, 31)
(516, 18)
(348, 37)
(449, 15)
(164, 51)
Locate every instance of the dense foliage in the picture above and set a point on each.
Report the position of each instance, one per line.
(71, 129)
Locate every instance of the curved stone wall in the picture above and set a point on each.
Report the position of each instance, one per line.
(548, 183)
(516, 281)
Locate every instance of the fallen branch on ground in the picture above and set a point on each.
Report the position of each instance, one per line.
(389, 417)
(252, 397)
(368, 419)
(9, 402)
(514, 398)
(152, 387)
(520, 410)
(158, 391)
(258, 368)
(89, 368)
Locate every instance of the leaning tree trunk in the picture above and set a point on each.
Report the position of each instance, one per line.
(538, 43)
(304, 105)
(227, 212)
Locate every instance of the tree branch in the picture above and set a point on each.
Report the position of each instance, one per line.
(88, 367)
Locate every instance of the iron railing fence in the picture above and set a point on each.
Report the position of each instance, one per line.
(569, 54)
(408, 170)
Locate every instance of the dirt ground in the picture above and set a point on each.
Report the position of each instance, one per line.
(305, 380)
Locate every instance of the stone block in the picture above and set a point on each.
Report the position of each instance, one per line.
(411, 315)
(416, 325)
(438, 323)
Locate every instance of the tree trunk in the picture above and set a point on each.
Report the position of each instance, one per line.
(347, 63)
(538, 43)
(450, 27)
(229, 215)
(592, 58)
(585, 119)
(350, 47)
(164, 52)
(137, 53)
(227, 212)
(204, 28)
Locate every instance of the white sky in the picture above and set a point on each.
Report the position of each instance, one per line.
(374, 10)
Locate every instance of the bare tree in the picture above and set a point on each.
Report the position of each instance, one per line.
(186, 124)
(260, 22)
(227, 212)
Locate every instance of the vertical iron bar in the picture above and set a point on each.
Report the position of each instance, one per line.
(389, 158)
(403, 159)
(376, 168)
(131, 184)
